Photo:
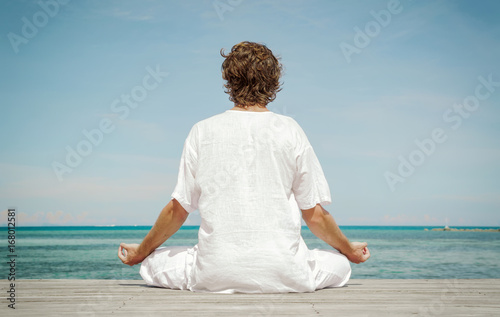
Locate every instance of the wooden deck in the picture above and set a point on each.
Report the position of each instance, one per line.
(359, 298)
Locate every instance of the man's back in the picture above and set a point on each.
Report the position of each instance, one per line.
(243, 166)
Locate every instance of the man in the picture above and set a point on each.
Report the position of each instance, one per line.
(246, 170)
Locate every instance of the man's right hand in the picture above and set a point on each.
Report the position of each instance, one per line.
(323, 226)
(359, 252)
(129, 254)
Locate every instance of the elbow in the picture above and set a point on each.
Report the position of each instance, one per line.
(179, 213)
(316, 221)
(315, 216)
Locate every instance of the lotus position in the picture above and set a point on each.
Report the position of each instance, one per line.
(253, 176)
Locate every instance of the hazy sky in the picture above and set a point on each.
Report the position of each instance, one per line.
(400, 100)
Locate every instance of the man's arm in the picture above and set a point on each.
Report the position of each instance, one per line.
(169, 221)
(323, 226)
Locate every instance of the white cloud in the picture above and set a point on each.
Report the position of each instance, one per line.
(480, 198)
(23, 182)
(400, 219)
(50, 218)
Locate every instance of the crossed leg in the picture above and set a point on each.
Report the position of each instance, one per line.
(332, 268)
(169, 267)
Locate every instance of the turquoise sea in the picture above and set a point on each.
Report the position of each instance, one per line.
(397, 252)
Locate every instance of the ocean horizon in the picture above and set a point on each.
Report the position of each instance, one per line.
(407, 252)
(188, 227)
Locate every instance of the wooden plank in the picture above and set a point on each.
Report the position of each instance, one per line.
(477, 297)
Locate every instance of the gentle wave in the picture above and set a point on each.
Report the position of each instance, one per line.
(397, 252)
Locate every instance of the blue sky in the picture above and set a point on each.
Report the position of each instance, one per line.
(412, 70)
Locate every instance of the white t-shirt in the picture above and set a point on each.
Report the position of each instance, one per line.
(244, 171)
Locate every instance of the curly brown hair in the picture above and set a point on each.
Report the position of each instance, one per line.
(252, 74)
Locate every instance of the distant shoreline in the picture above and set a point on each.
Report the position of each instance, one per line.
(465, 229)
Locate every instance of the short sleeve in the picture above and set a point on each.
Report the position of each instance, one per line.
(309, 184)
(186, 191)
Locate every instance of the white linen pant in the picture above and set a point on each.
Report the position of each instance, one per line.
(169, 267)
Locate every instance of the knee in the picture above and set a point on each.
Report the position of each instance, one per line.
(344, 270)
(346, 266)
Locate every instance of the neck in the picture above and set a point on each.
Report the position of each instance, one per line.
(255, 108)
